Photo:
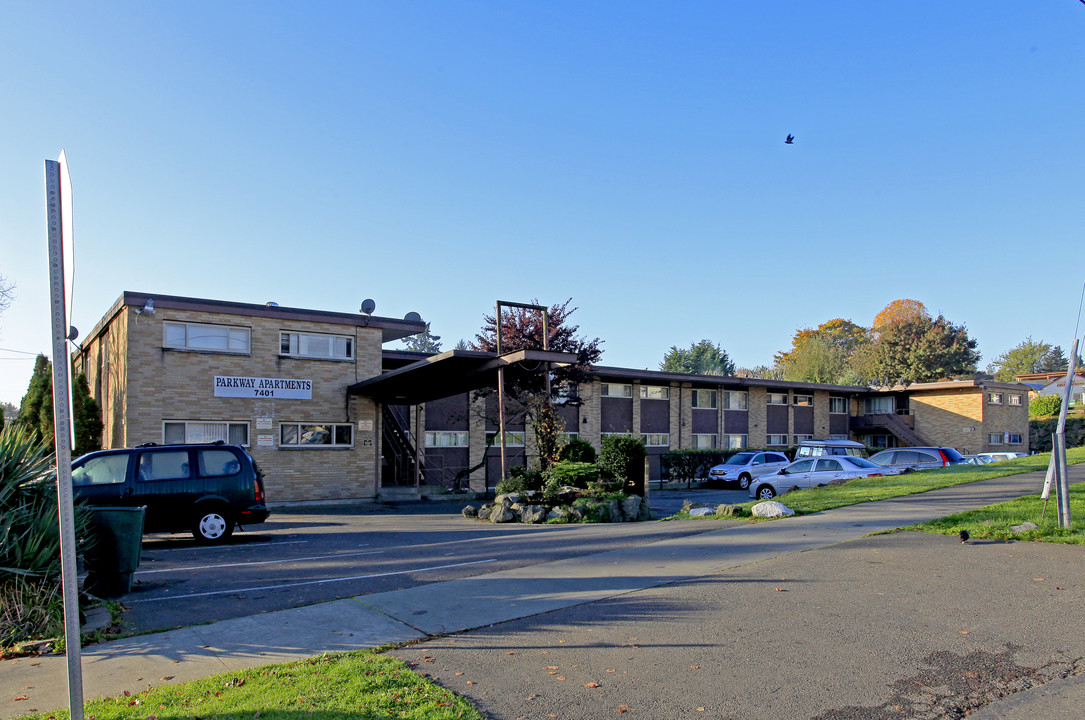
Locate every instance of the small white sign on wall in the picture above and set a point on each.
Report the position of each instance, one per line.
(365, 426)
(263, 423)
(265, 441)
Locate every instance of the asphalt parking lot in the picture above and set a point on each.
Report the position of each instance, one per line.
(303, 556)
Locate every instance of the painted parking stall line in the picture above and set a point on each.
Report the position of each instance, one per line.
(259, 562)
(132, 601)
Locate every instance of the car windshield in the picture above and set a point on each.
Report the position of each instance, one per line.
(858, 461)
(739, 459)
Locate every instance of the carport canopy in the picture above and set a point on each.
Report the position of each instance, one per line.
(455, 372)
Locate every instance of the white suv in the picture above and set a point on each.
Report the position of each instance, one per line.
(743, 467)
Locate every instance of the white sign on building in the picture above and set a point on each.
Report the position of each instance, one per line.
(258, 387)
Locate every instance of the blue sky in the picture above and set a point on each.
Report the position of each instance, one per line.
(438, 156)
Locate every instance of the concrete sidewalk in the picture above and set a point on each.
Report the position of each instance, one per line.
(136, 663)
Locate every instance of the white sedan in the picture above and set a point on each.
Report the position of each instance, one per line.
(813, 472)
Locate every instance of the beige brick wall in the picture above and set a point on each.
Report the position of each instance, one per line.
(821, 414)
(591, 409)
(1006, 418)
(674, 426)
(757, 402)
(166, 384)
(962, 418)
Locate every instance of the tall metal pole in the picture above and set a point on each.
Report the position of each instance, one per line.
(1062, 482)
(63, 438)
(500, 393)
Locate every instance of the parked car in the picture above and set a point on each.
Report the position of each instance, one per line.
(977, 459)
(1000, 456)
(202, 489)
(743, 467)
(917, 458)
(812, 472)
(817, 448)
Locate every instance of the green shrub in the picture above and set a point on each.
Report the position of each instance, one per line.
(30, 609)
(686, 465)
(521, 479)
(577, 474)
(1040, 432)
(1044, 406)
(578, 451)
(621, 459)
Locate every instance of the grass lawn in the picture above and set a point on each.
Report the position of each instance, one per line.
(357, 685)
(994, 521)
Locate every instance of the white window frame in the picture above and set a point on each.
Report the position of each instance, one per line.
(656, 439)
(292, 341)
(994, 398)
(777, 399)
(731, 398)
(838, 400)
(315, 446)
(735, 442)
(624, 390)
(800, 437)
(781, 440)
(191, 437)
(874, 405)
(995, 438)
(1014, 439)
(655, 392)
(705, 441)
(801, 400)
(1015, 399)
(704, 399)
(513, 438)
(447, 439)
(234, 334)
(569, 437)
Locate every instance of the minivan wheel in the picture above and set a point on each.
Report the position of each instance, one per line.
(765, 492)
(744, 481)
(212, 526)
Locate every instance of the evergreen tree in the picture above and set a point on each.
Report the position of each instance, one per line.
(702, 358)
(423, 342)
(41, 385)
(36, 409)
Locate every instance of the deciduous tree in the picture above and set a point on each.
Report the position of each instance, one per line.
(923, 350)
(1025, 357)
(903, 310)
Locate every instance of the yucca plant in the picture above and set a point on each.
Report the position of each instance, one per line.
(29, 528)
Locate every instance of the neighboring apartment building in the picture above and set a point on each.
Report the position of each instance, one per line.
(329, 415)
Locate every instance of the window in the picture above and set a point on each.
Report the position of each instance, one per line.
(654, 392)
(180, 432)
(1014, 439)
(879, 405)
(994, 398)
(734, 400)
(102, 470)
(1015, 399)
(838, 437)
(838, 405)
(777, 439)
(318, 346)
(803, 400)
(777, 398)
(704, 398)
(828, 465)
(734, 442)
(569, 437)
(316, 435)
(513, 438)
(656, 439)
(704, 441)
(217, 463)
(164, 465)
(800, 438)
(994, 438)
(206, 338)
(446, 438)
(616, 390)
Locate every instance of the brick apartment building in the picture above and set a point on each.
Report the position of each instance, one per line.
(329, 415)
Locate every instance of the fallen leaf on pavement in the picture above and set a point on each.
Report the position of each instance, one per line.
(21, 697)
(694, 667)
(591, 685)
(624, 708)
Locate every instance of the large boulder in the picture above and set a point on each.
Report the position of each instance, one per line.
(614, 511)
(576, 513)
(507, 499)
(702, 512)
(533, 514)
(502, 514)
(771, 509)
(484, 511)
(470, 511)
(558, 513)
(727, 511)
(645, 512)
(631, 508)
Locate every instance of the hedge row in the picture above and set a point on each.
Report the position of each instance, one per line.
(1040, 432)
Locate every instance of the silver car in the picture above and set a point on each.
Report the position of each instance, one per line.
(743, 467)
(812, 472)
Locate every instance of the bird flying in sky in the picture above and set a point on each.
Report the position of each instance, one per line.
(791, 138)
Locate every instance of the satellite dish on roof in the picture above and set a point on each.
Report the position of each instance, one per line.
(368, 306)
(412, 317)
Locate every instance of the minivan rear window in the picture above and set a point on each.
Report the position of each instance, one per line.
(215, 463)
(164, 465)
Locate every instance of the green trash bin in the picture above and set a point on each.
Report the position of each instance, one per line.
(113, 554)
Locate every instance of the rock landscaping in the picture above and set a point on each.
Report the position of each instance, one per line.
(574, 505)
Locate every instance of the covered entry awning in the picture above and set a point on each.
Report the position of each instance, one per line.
(455, 372)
